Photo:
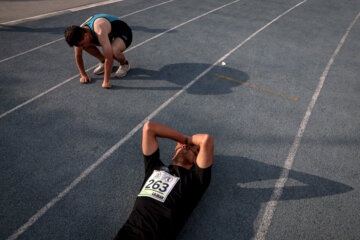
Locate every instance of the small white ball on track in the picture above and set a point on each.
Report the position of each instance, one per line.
(223, 63)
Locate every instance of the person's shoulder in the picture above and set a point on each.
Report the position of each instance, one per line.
(203, 175)
(152, 161)
(196, 166)
(201, 172)
(102, 25)
(152, 158)
(154, 154)
(100, 22)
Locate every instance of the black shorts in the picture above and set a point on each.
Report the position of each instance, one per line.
(122, 30)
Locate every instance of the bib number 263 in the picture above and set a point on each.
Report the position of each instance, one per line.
(158, 185)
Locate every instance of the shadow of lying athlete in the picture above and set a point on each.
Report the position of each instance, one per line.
(239, 189)
(180, 74)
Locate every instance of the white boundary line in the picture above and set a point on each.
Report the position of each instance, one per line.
(30, 50)
(131, 48)
(46, 44)
(156, 5)
(109, 152)
(271, 205)
(75, 9)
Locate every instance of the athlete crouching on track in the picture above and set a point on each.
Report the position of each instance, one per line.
(107, 31)
(169, 193)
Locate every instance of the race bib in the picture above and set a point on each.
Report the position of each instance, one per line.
(159, 185)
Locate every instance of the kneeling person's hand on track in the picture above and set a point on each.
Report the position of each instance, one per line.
(85, 79)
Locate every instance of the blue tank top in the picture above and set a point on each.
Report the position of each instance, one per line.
(90, 23)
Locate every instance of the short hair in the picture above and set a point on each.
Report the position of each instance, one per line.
(74, 35)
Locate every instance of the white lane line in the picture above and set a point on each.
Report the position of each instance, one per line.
(279, 186)
(146, 8)
(47, 44)
(131, 48)
(109, 152)
(30, 50)
(75, 9)
(38, 96)
(182, 24)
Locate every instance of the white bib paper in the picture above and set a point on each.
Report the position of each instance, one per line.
(159, 185)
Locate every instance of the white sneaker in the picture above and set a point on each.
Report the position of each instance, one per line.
(122, 70)
(99, 69)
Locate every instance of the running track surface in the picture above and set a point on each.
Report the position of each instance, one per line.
(283, 110)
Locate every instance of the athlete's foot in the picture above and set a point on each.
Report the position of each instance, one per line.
(106, 85)
(122, 70)
(99, 69)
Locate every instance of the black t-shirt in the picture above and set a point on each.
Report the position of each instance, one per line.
(153, 220)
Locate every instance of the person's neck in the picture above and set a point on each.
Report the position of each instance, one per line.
(88, 30)
(186, 166)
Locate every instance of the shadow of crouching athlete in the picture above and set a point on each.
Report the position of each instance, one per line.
(181, 74)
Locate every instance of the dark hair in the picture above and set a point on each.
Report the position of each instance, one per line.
(73, 35)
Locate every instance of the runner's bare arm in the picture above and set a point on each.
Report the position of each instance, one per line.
(80, 64)
(102, 28)
(152, 130)
(206, 153)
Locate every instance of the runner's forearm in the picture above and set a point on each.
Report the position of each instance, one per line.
(108, 68)
(162, 131)
(80, 62)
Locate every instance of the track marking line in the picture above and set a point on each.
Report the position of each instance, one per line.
(184, 23)
(37, 17)
(256, 87)
(49, 43)
(30, 50)
(279, 186)
(142, 10)
(129, 49)
(109, 152)
(74, 9)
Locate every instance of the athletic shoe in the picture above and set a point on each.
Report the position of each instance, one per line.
(122, 70)
(99, 69)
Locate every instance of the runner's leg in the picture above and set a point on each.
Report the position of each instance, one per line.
(118, 47)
